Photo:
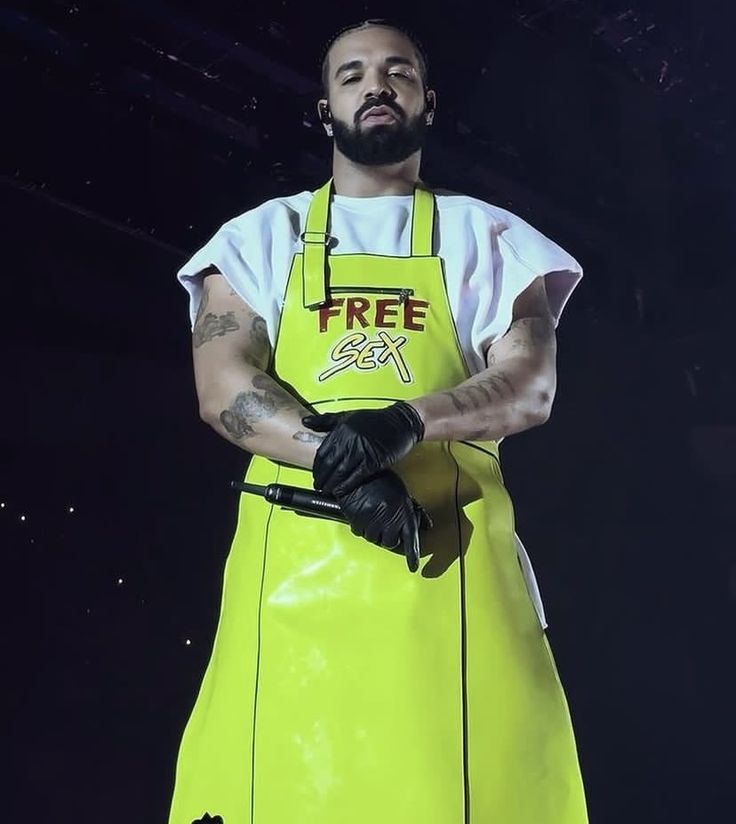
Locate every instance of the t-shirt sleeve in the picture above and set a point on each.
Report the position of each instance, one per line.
(521, 254)
(226, 250)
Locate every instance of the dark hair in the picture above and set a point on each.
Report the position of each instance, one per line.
(418, 48)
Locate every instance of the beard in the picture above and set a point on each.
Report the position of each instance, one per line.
(381, 144)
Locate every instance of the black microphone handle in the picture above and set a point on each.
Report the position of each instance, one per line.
(304, 500)
(310, 502)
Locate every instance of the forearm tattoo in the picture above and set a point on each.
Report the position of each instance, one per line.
(477, 395)
(264, 401)
(308, 437)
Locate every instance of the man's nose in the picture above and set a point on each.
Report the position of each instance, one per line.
(377, 85)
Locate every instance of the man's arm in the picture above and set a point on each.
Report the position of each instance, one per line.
(514, 392)
(230, 349)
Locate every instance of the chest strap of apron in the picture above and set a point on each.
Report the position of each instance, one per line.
(316, 240)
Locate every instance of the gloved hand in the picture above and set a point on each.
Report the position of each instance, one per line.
(382, 511)
(361, 443)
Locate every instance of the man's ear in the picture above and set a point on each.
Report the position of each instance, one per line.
(430, 99)
(325, 116)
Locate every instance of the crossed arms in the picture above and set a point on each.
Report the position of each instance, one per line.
(253, 411)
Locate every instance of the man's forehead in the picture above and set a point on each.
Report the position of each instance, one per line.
(373, 43)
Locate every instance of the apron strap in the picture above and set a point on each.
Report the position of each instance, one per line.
(422, 223)
(316, 239)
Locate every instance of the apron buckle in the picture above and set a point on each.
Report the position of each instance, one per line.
(324, 238)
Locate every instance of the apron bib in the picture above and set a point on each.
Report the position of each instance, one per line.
(341, 687)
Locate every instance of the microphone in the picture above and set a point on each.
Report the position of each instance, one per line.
(312, 502)
(306, 501)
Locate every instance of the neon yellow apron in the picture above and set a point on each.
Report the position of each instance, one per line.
(342, 688)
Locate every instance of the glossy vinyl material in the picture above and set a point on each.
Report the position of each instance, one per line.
(341, 687)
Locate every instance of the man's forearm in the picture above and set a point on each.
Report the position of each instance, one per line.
(253, 411)
(493, 404)
(514, 393)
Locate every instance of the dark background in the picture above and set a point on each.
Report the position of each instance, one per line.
(132, 130)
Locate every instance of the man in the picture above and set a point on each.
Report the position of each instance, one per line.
(376, 340)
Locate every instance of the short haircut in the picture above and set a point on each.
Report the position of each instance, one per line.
(418, 48)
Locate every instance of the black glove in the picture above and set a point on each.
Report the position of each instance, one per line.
(382, 511)
(361, 443)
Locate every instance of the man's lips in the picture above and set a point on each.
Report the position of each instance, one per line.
(379, 113)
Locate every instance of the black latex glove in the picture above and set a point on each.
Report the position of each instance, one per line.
(382, 511)
(362, 443)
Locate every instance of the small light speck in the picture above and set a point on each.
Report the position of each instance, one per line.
(188, 642)
(2, 506)
(22, 517)
(120, 581)
(71, 509)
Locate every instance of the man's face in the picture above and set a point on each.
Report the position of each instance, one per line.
(369, 68)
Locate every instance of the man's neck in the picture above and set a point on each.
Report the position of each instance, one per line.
(355, 180)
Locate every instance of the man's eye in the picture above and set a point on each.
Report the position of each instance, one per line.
(349, 80)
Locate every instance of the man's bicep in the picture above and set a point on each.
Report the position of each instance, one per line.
(226, 327)
(532, 330)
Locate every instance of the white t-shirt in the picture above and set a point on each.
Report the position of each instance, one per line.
(490, 255)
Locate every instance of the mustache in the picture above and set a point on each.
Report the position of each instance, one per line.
(373, 103)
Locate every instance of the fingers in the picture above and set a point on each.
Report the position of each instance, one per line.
(328, 473)
(325, 460)
(352, 480)
(322, 423)
(337, 473)
(410, 542)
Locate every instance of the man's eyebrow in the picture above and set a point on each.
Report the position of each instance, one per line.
(351, 64)
(394, 60)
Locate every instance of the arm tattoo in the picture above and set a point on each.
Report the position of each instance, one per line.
(259, 334)
(308, 437)
(250, 407)
(260, 345)
(525, 342)
(213, 326)
(235, 419)
(523, 336)
(485, 390)
(529, 333)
